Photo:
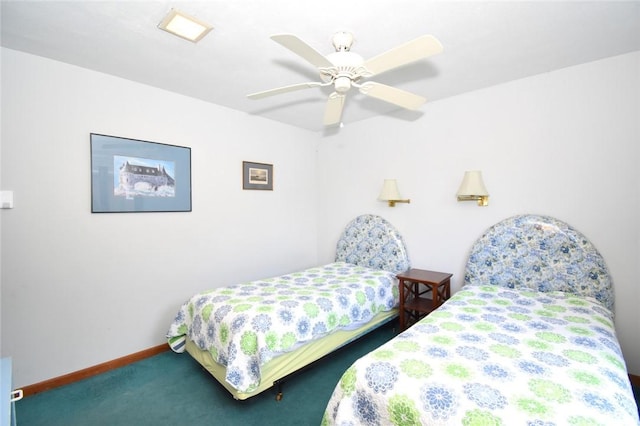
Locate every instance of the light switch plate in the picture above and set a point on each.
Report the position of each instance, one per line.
(6, 199)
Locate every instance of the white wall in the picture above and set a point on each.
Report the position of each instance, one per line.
(79, 288)
(564, 144)
(75, 292)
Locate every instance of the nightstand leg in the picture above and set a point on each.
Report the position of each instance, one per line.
(401, 305)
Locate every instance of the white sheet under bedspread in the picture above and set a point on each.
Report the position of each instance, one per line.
(493, 356)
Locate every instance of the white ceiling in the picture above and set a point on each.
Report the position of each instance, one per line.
(485, 43)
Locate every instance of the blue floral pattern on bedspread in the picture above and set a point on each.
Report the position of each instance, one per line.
(243, 326)
(493, 356)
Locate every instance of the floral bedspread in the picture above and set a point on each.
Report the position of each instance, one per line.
(245, 325)
(493, 356)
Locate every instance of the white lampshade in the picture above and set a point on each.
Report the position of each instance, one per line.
(472, 185)
(389, 190)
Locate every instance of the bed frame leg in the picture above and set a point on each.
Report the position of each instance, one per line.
(279, 392)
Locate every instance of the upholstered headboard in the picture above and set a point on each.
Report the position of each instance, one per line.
(540, 253)
(369, 240)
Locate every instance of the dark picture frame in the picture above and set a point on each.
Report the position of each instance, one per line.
(132, 176)
(257, 176)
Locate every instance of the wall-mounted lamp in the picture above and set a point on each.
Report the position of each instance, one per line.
(390, 193)
(473, 189)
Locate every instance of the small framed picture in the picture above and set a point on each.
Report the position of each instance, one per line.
(257, 176)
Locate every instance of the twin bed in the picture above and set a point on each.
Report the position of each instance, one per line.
(251, 336)
(529, 339)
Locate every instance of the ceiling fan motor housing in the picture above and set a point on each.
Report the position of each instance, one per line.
(346, 70)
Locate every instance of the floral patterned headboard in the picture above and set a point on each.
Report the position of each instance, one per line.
(541, 253)
(369, 240)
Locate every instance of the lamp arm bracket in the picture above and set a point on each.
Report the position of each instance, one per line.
(392, 203)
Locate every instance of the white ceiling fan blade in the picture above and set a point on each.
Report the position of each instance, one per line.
(284, 89)
(412, 51)
(392, 95)
(302, 49)
(333, 109)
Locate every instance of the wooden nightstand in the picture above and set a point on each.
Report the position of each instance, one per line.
(420, 293)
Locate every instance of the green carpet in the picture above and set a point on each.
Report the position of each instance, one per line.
(172, 389)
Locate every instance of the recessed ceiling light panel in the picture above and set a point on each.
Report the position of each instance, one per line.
(184, 26)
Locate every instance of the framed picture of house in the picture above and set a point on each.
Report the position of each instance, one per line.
(257, 176)
(130, 176)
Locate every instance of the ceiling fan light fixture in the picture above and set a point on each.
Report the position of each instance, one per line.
(184, 26)
(342, 84)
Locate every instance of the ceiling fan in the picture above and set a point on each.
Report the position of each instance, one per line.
(344, 69)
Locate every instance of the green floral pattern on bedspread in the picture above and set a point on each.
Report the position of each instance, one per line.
(493, 356)
(245, 325)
